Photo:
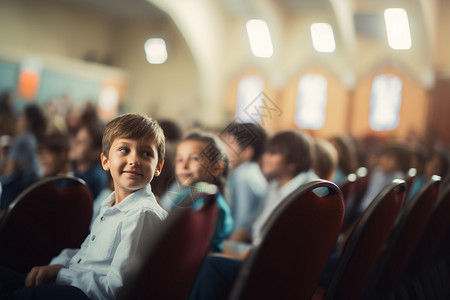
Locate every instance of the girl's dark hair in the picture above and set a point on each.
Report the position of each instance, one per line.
(36, 120)
(296, 148)
(214, 151)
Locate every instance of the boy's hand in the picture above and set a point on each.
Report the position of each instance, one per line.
(42, 275)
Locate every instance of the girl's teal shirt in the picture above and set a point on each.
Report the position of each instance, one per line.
(224, 224)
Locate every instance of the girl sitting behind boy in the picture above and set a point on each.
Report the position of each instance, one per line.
(200, 157)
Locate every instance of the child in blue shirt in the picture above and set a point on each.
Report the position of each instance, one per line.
(133, 151)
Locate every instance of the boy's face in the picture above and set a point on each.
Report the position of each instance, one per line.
(52, 163)
(274, 166)
(191, 165)
(236, 155)
(132, 164)
(388, 163)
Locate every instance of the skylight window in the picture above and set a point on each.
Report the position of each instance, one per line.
(259, 37)
(323, 37)
(397, 27)
(155, 50)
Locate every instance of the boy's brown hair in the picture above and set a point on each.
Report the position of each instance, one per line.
(136, 127)
(325, 158)
(295, 146)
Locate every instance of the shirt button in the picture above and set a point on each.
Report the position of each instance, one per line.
(93, 238)
(102, 218)
(79, 260)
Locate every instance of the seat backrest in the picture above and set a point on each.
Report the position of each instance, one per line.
(169, 265)
(50, 215)
(295, 243)
(362, 181)
(354, 199)
(410, 177)
(443, 248)
(366, 243)
(435, 229)
(404, 238)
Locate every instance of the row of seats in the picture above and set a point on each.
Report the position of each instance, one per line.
(392, 249)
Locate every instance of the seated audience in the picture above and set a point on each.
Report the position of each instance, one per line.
(20, 164)
(246, 186)
(347, 157)
(393, 163)
(419, 157)
(287, 162)
(325, 159)
(133, 151)
(438, 164)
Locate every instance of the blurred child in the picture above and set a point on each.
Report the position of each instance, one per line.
(246, 185)
(394, 161)
(438, 163)
(200, 157)
(347, 157)
(53, 153)
(133, 152)
(419, 157)
(288, 163)
(20, 164)
(325, 159)
(84, 152)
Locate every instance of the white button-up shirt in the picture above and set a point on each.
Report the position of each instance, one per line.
(100, 265)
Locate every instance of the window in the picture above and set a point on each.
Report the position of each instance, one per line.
(385, 101)
(259, 38)
(311, 101)
(250, 98)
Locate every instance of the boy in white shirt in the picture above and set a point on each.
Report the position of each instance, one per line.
(133, 151)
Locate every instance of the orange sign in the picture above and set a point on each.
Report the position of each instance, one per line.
(28, 84)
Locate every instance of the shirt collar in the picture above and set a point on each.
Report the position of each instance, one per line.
(130, 201)
(294, 183)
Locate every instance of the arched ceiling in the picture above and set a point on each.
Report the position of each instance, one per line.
(358, 26)
(214, 31)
